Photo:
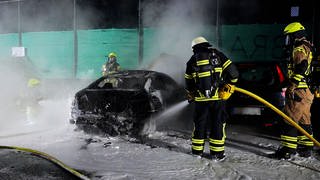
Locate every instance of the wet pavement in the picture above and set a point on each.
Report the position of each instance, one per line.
(20, 165)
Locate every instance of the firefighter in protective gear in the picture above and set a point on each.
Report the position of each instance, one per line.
(298, 95)
(207, 70)
(111, 65)
(30, 100)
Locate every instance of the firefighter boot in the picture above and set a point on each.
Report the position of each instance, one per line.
(217, 156)
(284, 153)
(318, 152)
(305, 145)
(197, 147)
(304, 151)
(197, 153)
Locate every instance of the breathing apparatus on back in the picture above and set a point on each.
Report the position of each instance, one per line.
(207, 78)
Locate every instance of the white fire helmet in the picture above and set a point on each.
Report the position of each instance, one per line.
(198, 40)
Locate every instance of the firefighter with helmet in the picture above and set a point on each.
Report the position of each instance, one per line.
(210, 77)
(111, 65)
(298, 95)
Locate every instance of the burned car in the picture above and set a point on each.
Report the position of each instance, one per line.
(122, 102)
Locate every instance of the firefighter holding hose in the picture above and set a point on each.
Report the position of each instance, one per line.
(210, 77)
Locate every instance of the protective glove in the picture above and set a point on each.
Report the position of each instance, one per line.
(317, 94)
(190, 97)
(316, 91)
(226, 91)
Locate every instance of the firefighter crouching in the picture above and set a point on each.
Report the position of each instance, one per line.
(209, 73)
(298, 95)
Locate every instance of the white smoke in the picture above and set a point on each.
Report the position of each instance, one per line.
(26, 108)
(177, 23)
(47, 105)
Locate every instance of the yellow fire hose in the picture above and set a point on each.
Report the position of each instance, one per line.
(287, 118)
(50, 158)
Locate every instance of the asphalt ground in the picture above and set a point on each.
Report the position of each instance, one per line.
(20, 165)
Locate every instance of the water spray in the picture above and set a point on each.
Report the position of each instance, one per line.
(154, 121)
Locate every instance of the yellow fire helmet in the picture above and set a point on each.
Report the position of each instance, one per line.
(112, 54)
(33, 82)
(198, 40)
(293, 27)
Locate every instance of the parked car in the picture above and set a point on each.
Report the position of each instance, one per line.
(121, 103)
(264, 79)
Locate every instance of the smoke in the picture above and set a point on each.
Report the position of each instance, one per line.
(25, 108)
(177, 23)
(47, 105)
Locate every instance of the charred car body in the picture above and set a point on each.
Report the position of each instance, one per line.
(122, 102)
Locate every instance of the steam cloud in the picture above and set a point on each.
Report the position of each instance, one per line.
(177, 23)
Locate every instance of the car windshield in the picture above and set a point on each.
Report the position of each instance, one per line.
(125, 82)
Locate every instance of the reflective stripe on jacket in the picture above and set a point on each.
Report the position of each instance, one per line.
(199, 68)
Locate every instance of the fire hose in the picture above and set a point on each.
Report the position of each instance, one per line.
(287, 118)
(48, 157)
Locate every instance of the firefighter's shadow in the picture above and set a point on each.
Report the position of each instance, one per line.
(237, 144)
(159, 143)
(250, 147)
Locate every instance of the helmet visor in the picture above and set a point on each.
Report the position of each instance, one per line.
(112, 59)
(287, 40)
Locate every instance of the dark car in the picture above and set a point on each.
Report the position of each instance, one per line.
(264, 79)
(121, 103)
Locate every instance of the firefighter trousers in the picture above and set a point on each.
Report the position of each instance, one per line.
(209, 118)
(297, 107)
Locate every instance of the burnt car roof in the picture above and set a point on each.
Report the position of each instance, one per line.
(130, 79)
(135, 73)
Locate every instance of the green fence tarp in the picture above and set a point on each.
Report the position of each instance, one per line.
(50, 52)
(252, 42)
(53, 52)
(95, 45)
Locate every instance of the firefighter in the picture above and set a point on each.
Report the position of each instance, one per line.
(29, 98)
(111, 65)
(298, 95)
(209, 73)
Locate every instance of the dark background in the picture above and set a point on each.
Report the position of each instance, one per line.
(58, 15)
(124, 13)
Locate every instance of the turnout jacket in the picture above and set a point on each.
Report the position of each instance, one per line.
(300, 64)
(208, 69)
(109, 68)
